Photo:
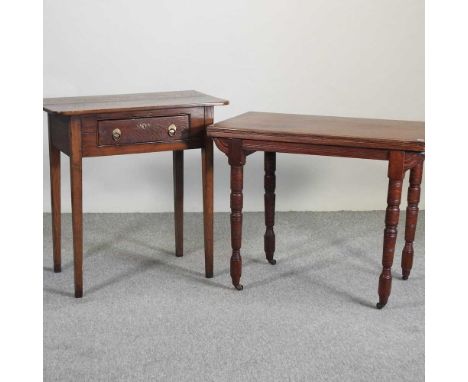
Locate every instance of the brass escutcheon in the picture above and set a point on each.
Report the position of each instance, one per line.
(171, 130)
(116, 134)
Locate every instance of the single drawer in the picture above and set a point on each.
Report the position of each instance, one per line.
(143, 130)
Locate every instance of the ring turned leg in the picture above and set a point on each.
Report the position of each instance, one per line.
(414, 193)
(236, 161)
(207, 175)
(270, 183)
(178, 169)
(54, 158)
(395, 174)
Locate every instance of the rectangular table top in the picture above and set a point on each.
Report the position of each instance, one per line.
(126, 102)
(323, 130)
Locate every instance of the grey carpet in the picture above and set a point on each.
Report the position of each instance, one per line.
(149, 316)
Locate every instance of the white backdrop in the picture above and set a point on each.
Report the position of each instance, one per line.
(360, 58)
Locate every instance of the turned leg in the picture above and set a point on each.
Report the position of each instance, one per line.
(414, 193)
(270, 183)
(54, 159)
(207, 180)
(395, 175)
(77, 204)
(178, 169)
(236, 161)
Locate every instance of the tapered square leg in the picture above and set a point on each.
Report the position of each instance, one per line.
(178, 167)
(236, 161)
(54, 161)
(207, 180)
(412, 210)
(77, 204)
(395, 174)
(270, 184)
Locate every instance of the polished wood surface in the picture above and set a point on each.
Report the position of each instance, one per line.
(412, 210)
(396, 172)
(82, 127)
(178, 174)
(236, 161)
(54, 162)
(76, 185)
(324, 130)
(143, 130)
(208, 200)
(208, 194)
(270, 185)
(286, 133)
(129, 102)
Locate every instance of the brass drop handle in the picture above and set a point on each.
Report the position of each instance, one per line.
(116, 134)
(171, 130)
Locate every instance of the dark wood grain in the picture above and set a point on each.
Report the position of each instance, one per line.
(129, 102)
(323, 130)
(83, 126)
(77, 204)
(270, 185)
(91, 149)
(59, 132)
(236, 161)
(397, 142)
(54, 161)
(143, 130)
(396, 173)
(97, 131)
(412, 210)
(314, 149)
(208, 195)
(178, 169)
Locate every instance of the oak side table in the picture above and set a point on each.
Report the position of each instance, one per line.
(401, 143)
(82, 127)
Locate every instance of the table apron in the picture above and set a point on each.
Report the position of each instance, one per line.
(311, 149)
(139, 148)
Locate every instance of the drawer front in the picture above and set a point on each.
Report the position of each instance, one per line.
(143, 130)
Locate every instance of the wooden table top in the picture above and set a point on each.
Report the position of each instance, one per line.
(324, 130)
(126, 102)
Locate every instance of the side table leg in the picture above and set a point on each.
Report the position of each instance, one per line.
(77, 204)
(207, 184)
(414, 194)
(54, 159)
(178, 169)
(270, 183)
(395, 175)
(236, 161)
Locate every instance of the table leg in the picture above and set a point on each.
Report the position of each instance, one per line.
(395, 175)
(77, 204)
(236, 161)
(207, 180)
(414, 193)
(270, 183)
(178, 169)
(54, 160)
